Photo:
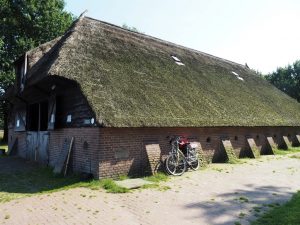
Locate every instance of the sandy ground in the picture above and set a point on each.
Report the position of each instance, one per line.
(220, 194)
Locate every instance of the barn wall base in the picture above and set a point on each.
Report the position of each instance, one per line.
(111, 152)
(125, 151)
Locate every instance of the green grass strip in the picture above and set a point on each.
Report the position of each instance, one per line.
(287, 214)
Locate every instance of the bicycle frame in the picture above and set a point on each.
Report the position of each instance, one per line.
(183, 154)
(175, 149)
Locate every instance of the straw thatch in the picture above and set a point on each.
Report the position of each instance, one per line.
(131, 80)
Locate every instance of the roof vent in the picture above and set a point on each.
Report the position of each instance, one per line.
(177, 61)
(237, 75)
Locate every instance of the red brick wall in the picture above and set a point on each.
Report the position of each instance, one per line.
(84, 157)
(110, 152)
(134, 140)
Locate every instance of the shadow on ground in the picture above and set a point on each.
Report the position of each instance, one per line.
(242, 205)
(20, 176)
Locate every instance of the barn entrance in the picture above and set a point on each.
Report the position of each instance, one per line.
(37, 135)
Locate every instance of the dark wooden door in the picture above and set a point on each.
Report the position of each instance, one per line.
(37, 146)
(31, 145)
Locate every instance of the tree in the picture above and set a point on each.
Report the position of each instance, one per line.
(287, 79)
(25, 24)
(134, 29)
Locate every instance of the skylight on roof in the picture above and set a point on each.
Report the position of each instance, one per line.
(179, 63)
(177, 60)
(237, 75)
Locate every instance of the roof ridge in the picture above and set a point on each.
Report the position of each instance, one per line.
(44, 44)
(166, 42)
(65, 37)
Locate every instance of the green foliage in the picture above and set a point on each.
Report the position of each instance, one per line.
(287, 79)
(110, 186)
(288, 151)
(123, 177)
(288, 213)
(231, 157)
(26, 183)
(42, 180)
(25, 24)
(158, 177)
(134, 29)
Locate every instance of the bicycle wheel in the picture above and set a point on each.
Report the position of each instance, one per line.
(175, 164)
(195, 164)
(194, 160)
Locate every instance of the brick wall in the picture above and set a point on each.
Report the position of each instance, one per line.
(110, 152)
(123, 151)
(84, 157)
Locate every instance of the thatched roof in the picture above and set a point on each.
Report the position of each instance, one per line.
(131, 80)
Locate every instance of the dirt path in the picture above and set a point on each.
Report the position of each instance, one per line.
(221, 194)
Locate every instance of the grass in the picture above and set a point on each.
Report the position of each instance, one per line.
(7, 217)
(294, 157)
(110, 186)
(288, 151)
(158, 177)
(4, 146)
(123, 177)
(243, 199)
(288, 213)
(42, 180)
(242, 215)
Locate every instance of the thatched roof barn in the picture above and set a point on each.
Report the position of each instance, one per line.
(121, 83)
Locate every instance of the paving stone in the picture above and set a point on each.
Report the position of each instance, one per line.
(133, 183)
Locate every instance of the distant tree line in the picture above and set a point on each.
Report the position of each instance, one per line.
(287, 79)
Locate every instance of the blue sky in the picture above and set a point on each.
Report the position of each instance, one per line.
(263, 33)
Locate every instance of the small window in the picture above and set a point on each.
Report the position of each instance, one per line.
(69, 118)
(177, 60)
(257, 136)
(52, 119)
(88, 121)
(18, 123)
(236, 138)
(20, 120)
(38, 116)
(208, 140)
(33, 117)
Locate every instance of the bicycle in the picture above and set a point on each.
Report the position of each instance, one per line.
(183, 154)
